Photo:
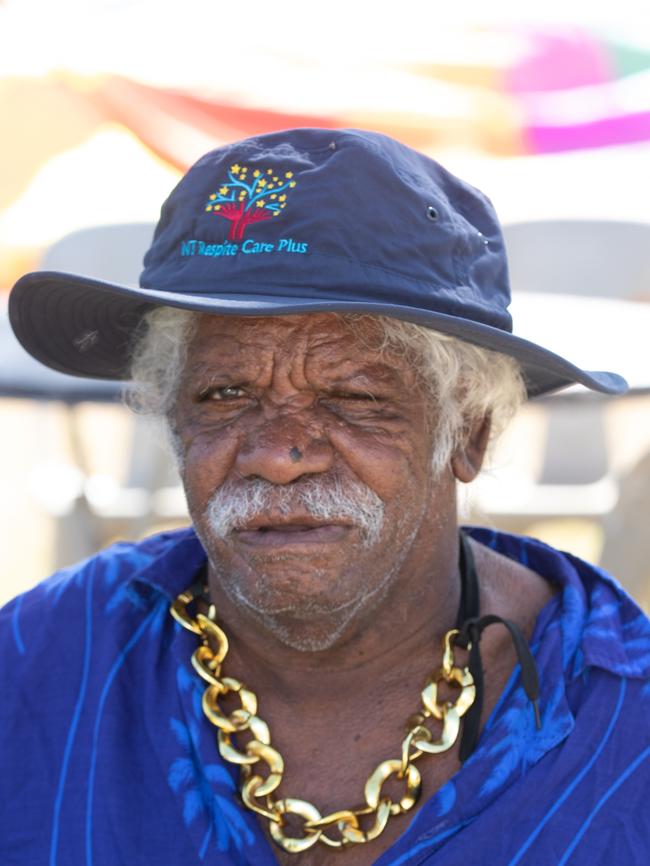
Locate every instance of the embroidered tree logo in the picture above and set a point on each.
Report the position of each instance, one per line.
(250, 197)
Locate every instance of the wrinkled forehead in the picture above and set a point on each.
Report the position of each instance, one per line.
(310, 327)
(325, 342)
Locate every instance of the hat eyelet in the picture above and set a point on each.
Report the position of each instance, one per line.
(432, 213)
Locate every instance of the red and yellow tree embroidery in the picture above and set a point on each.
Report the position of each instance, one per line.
(250, 196)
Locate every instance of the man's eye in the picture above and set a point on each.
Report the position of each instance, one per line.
(357, 396)
(225, 392)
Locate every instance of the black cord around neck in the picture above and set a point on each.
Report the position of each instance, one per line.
(471, 626)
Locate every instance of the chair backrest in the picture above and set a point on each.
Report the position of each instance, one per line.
(110, 252)
(580, 257)
(597, 258)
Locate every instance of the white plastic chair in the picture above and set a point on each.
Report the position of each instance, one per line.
(575, 476)
(599, 258)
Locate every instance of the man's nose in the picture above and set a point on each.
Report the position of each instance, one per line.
(283, 450)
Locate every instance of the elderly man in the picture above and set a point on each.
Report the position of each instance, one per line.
(322, 667)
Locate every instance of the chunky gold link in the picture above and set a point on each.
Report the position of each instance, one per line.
(420, 732)
(449, 735)
(290, 806)
(229, 753)
(274, 761)
(210, 629)
(359, 837)
(465, 699)
(344, 816)
(213, 711)
(206, 664)
(341, 820)
(413, 782)
(207, 661)
(249, 791)
(258, 728)
(324, 839)
(448, 651)
(178, 610)
(244, 721)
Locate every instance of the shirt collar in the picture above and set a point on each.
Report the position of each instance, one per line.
(601, 625)
(176, 559)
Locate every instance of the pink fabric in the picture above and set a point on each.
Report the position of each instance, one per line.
(557, 61)
(608, 131)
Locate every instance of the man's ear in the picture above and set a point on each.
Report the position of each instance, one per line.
(467, 460)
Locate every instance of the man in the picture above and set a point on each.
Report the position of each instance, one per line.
(323, 325)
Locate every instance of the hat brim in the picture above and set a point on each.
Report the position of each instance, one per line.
(85, 327)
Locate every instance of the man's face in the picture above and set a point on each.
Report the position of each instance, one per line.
(307, 468)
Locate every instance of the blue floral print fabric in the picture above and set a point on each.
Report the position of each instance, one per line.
(106, 758)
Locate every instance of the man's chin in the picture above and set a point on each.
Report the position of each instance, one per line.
(308, 624)
(299, 597)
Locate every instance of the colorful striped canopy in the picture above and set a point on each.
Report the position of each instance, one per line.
(543, 92)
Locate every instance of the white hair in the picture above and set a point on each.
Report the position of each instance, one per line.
(464, 383)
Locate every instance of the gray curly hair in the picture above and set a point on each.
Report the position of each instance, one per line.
(464, 383)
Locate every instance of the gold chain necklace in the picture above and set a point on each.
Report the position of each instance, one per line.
(257, 791)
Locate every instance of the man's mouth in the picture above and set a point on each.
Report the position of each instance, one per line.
(282, 534)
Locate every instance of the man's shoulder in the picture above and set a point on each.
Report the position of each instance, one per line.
(601, 624)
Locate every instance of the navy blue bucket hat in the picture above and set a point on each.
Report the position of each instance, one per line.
(307, 220)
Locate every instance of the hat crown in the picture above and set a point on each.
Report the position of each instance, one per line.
(332, 214)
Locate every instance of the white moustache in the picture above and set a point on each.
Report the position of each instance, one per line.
(327, 499)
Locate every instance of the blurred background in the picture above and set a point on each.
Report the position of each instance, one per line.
(545, 107)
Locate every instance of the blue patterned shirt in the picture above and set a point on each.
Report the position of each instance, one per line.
(106, 758)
